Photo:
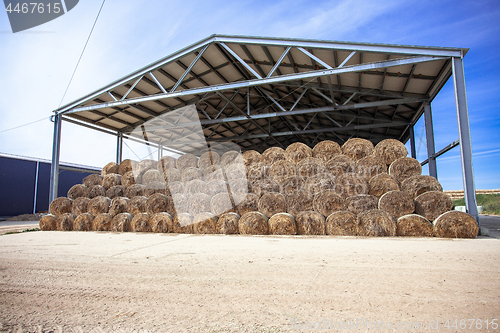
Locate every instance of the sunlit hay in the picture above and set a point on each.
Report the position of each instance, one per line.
(83, 222)
(165, 163)
(176, 188)
(98, 205)
(131, 178)
(272, 203)
(111, 167)
(298, 201)
(339, 165)
(161, 223)
(102, 222)
(205, 223)
(327, 202)
(456, 224)
(126, 166)
(77, 191)
(432, 204)
(282, 224)
(310, 223)
(281, 170)
(157, 203)
(122, 222)
(246, 203)
(196, 186)
(183, 224)
(152, 176)
(217, 186)
(417, 185)
(111, 179)
(382, 183)
(326, 150)
(350, 184)
(376, 222)
(93, 179)
(118, 205)
(210, 174)
(404, 168)
(95, 191)
(186, 161)
(231, 157)
(414, 225)
(357, 148)
(156, 187)
(310, 167)
(116, 191)
(390, 150)
(250, 157)
(228, 223)
(208, 159)
(221, 203)
(136, 190)
(341, 223)
(361, 203)
(60, 206)
(65, 222)
(79, 206)
(141, 223)
(396, 203)
(273, 155)
(264, 186)
(48, 222)
(137, 205)
(253, 223)
(257, 171)
(180, 203)
(370, 166)
(297, 151)
(172, 175)
(199, 203)
(145, 165)
(319, 183)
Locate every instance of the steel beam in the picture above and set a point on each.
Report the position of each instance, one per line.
(56, 152)
(442, 151)
(119, 148)
(412, 142)
(429, 134)
(186, 72)
(280, 60)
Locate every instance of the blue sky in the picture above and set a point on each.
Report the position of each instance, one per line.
(36, 65)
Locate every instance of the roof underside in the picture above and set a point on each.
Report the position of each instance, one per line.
(262, 92)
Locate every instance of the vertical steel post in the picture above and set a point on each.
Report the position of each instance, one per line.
(36, 186)
(56, 152)
(429, 134)
(412, 142)
(464, 137)
(119, 148)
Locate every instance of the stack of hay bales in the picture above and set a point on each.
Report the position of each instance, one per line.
(356, 189)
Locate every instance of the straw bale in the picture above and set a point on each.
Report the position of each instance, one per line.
(111, 167)
(121, 222)
(272, 203)
(176, 188)
(186, 161)
(65, 222)
(77, 191)
(131, 178)
(310, 223)
(326, 150)
(298, 201)
(93, 179)
(235, 171)
(376, 222)
(253, 223)
(161, 222)
(83, 222)
(456, 224)
(140, 223)
(79, 206)
(370, 166)
(281, 170)
(414, 225)
(291, 184)
(216, 173)
(152, 176)
(389, 150)
(231, 157)
(165, 163)
(404, 168)
(340, 164)
(98, 205)
(361, 203)
(273, 155)
(157, 203)
(250, 157)
(48, 222)
(180, 203)
(137, 205)
(217, 186)
(189, 174)
(382, 183)
(310, 166)
(319, 182)
(417, 185)
(145, 165)
(208, 159)
(432, 204)
(397, 203)
(111, 179)
(228, 223)
(342, 223)
(199, 203)
(297, 151)
(156, 187)
(60, 206)
(264, 186)
(126, 166)
(118, 205)
(172, 175)
(196, 186)
(357, 148)
(257, 171)
(183, 224)
(246, 203)
(282, 224)
(102, 222)
(135, 190)
(221, 203)
(116, 191)
(205, 223)
(95, 191)
(327, 202)
(350, 184)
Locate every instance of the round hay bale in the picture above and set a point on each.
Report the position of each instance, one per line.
(95, 191)
(310, 223)
(228, 223)
(414, 225)
(83, 222)
(235, 171)
(264, 186)
(157, 203)
(282, 224)
(98, 205)
(396, 203)
(121, 222)
(231, 157)
(110, 180)
(253, 223)
(186, 161)
(137, 205)
(199, 203)
(161, 222)
(217, 186)
(205, 223)
(432, 204)
(172, 175)
(126, 166)
(382, 183)
(273, 155)
(370, 166)
(340, 164)
(65, 222)
(319, 183)
(165, 163)
(376, 222)
(250, 157)
(116, 191)
(48, 222)
(298, 201)
(77, 191)
(180, 204)
(389, 150)
(456, 224)
(130, 178)
(118, 205)
(341, 223)
(310, 167)
(291, 184)
(102, 222)
(140, 223)
(257, 171)
(93, 179)
(213, 174)
(272, 203)
(417, 185)
(404, 168)
(208, 159)
(196, 186)
(281, 170)
(350, 184)
(189, 174)
(239, 186)
(79, 206)
(361, 203)
(152, 176)
(221, 203)
(60, 206)
(176, 188)
(246, 203)
(145, 165)
(357, 148)
(111, 167)
(156, 187)
(327, 202)
(326, 150)
(136, 190)
(297, 151)
(183, 224)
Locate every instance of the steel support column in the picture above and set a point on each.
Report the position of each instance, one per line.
(412, 142)
(56, 152)
(464, 137)
(429, 134)
(119, 148)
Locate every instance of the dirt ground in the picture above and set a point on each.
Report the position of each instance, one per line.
(110, 282)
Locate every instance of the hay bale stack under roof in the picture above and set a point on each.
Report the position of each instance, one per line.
(110, 180)
(350, 184)
(357, 148)
(432, 204)
(297, 151)
(116, 191)
(310, 166)
(246, 203)
(417, 185)
(183, 223)
(137, 205)
(140, 223)
(310, 223)
(102, 222)
(48, 222)
(77, 191)
(281, 170)
(253, 223)
(79, 206)
(228, 223)
(83, 222)
(273, 155)
(327, 202)
(404, 168)
(186, 161)
(340, 164)
(135, 190)
(65, 222)
(341, 223)
(414, 225)
(370, 166)
(60, 206)
(250, 157)
(389, 150)
(382, 183)
(161, 222)
(126, 166)
(456, 224)
(326, 150)
(121, 222)
(396, 203)
(208, 159)
(111, 167)
(376, 222)
(118, 205)
(282, 224)
(221, 203)
(205, 223)
(361, 203)
(199, 203)
(272, 203)
(298, 201)
(93, 179)
(98, 205)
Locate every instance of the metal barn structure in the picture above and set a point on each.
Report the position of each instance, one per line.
(261, 92)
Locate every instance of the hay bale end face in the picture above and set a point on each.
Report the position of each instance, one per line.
(291, 184)
(432, 204)
(272, 203)
(361, 203)
(93, 179)
(116, 191)
(341, 223)
(417, 185)
(110, 180)
(79, 206)
(126, 166)
(376, 222)
(143, 166)
(205, 223)
(180, 204)
(310, 223)
(257, 171)
(221, 203)
(281, 170)
(140, 223)
(404, 168)
(340, 164)
(102, 222)
(196, 186)
(157, 203)
(48, 222)
(199, 203)
(156, 187)
(231, 157)
(264, 186)
(326, 150)
(357, 148)
(161, 223)
(137, 205)
(186, 161)
(65, 222)
(152, 176)
(389, 150)
(136, 190)
(118, 205)
(319, 183)
(111, 167)
(350, 184)
(235, 171)
(414, 225)
(189, 174)
(183, 224)
(228, 223)
(456, 224)
(217, 186)
(250, 157)
(298, 201)
(83, 222)
(166, 162)
(396, 203)
(273, 155)
(253, 223)
(77, 191)
(176, 188)
(282, 224)
(382, 183)
(370, 166)
(172, 175)
(121, 222)
(327, 202)
(98, 205)
(310, 167)
(208, 159)
(95, 191)
(60, 206)
(297, 151)
(246, 203)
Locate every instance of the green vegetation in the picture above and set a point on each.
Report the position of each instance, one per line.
(18, 232)
(490, 203)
